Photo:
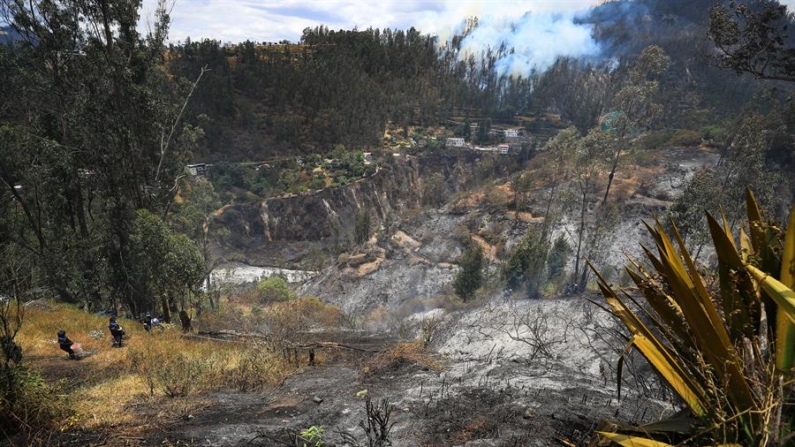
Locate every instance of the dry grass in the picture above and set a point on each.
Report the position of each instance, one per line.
(288, 319)
(403, 354)
(107, 384)
(480, 428)
(39, 331)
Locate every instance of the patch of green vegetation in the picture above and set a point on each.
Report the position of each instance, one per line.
(274, 288)
(715, 132)
(684, 137)
(656, 139)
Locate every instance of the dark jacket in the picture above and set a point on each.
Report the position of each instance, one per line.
(64, 341)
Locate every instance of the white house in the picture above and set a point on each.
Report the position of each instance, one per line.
(198, 169)
(455, 142)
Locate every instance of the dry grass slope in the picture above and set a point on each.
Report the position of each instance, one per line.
(109, 386)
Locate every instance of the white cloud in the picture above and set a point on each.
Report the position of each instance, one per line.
(274, 20)
(236, 20)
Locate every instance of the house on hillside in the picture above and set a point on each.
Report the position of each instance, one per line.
(511, 133)
(456, 142)
(503, 149)
(197, 170)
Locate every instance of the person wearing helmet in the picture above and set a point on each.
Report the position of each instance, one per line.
(116, 331)
(66, 344)
(148, 322)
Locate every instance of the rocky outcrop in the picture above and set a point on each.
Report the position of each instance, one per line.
(283, 230)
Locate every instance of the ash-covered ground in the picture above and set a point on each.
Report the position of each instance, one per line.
(508, 373)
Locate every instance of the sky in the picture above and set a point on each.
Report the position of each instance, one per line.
(273, 21)
(536, 40)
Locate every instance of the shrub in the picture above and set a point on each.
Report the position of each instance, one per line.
(28, 405)
(180, 369)
(470, 276)
(556, 261)
(685, 137)
(253, 370)
(318, 183)
(657, 139)
(714, 132)
(403, 354)
(362, 226)
(178, 375)
(311, 437)
(286, 320)
(274, 288)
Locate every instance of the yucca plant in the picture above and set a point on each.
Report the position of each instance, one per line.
(726, 347)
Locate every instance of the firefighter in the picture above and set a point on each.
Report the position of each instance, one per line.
(116, 331)
(66, 344)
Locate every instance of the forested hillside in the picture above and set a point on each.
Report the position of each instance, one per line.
(261, 99)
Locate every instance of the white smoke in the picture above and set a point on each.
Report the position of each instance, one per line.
(533, 42)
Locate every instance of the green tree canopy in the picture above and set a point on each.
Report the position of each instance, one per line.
(91, 131)
(470, 276)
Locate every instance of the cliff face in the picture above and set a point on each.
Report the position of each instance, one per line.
(321, 215)
(284, 230)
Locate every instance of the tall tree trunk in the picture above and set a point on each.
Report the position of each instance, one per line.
(610, 177)
(165, 307)
(580, 235)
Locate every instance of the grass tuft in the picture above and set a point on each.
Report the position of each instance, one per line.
(402, 355)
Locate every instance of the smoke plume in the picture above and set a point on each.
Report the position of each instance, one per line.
(531, 43)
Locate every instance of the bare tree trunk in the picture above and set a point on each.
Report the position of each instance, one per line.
(580, 235)
(166, 141)
(612, 174)
(166, 310)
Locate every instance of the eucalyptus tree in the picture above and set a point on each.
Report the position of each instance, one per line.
(719, 189)
(753, 37)
(470, 276)
(591, 221)
(90, 133)
(635, 104)
(165, 267)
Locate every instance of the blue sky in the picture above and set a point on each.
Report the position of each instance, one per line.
(270, 20)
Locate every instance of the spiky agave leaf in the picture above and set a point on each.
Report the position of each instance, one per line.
(705, 331)
(632, 441)
(658, 355)
(638, 441)
(696, 337)
(764, 258)
(781, 294)
(708, 328)
(785, 329)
